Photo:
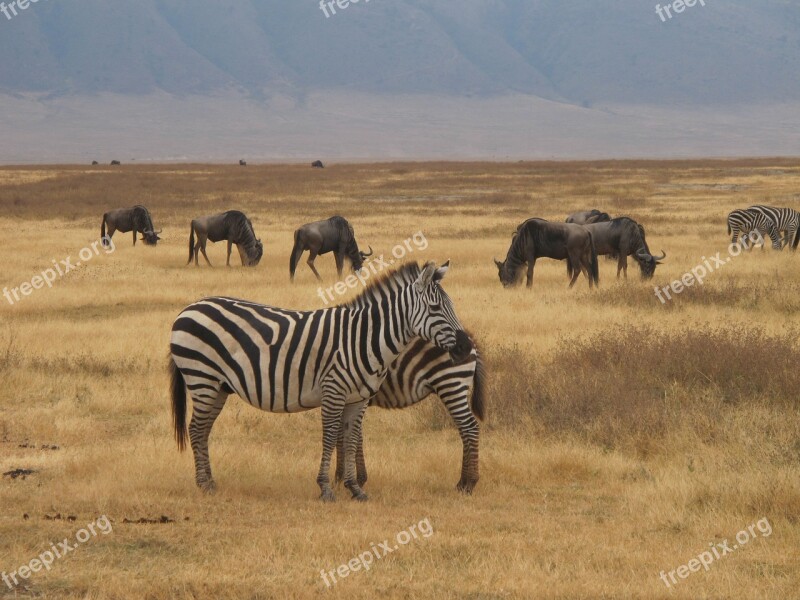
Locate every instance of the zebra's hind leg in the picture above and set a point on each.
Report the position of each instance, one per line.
(361, 465)
(457, 404)
(207, 403)
(352, 420)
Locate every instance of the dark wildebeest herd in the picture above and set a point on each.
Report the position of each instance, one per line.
(392, 346)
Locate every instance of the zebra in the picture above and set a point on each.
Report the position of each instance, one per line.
(785, 220)
(423, 369)
(744, 222)
(288, 361)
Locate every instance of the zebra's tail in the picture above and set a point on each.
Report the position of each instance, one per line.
(191, 243)
(478, 401)
(178, 404)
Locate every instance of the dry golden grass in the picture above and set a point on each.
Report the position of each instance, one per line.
(623, 437)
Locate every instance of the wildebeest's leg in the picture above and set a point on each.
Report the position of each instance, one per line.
(201, 241)
(578, 262)
(207, 403)
(312, 254)
(228, 261)
(352, 418)
(339, 263)
(109, 233)
(333, 400)
(529, 281)
(622, 263)
(134, 236)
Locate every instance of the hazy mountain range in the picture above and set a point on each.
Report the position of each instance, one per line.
(203, 79)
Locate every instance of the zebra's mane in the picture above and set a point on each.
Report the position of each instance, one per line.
(400, 276)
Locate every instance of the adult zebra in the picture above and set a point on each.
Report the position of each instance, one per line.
(744, 222)
(290, 361)
(785, 220)
(423, 369)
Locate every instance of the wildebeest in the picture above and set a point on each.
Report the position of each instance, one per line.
(620, 238)
(320, 237)
(115, 162)
(94, 162)
(537, 238)
(136, 219)
(318, 164)
(242, 163)
(588, 216)
(233, 226)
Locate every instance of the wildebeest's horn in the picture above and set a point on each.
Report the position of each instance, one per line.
(497, 262)
(158, 232)
(365, 255)
(643, 253)
(663, 255)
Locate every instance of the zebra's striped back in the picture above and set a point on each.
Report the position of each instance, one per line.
(784, 219)
(744, 221)
(423, 369)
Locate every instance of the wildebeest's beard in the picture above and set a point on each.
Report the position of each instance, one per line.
(648, 262)
(150, 238)
(510, 276)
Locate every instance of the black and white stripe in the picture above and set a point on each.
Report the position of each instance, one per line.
(744, 221)
(423, 369)
(786, 221)
(289, 361)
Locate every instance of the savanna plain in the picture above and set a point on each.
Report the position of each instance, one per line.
(624, 436)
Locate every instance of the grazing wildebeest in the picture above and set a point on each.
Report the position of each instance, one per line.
(94, 162)
(537, 238)
(136, 219)
(242, 163)
(620, 238)
(233, 226)
(320, 237)
(318, 164)
(115, 162)
(588, 216)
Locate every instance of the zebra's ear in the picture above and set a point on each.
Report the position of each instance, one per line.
(425, 277)
(441, 271)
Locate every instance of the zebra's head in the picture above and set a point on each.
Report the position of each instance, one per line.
(434, 317)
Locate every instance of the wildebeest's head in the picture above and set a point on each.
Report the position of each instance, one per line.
(256, 254)
(648, 262)
(151, 237)
(509, 277)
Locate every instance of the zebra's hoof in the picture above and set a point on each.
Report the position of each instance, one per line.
(327, 496)
(361, 497)
(208, 487)
(465, 487)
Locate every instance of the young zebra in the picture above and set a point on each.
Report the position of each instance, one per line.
(289, 361)
(423, 369)
(785, 220)
(744, 222)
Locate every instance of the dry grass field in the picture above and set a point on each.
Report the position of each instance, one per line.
(624, 435)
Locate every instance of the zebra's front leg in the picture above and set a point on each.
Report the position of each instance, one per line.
(332, 408)
(361, 466)
(469, 431)
(352, 421)
(205, 410)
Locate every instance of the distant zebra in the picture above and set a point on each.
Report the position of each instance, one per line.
(289, 361)
(421, 370)
(744, 222)
(785, 220)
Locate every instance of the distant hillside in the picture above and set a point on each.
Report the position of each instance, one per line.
(578, 51)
